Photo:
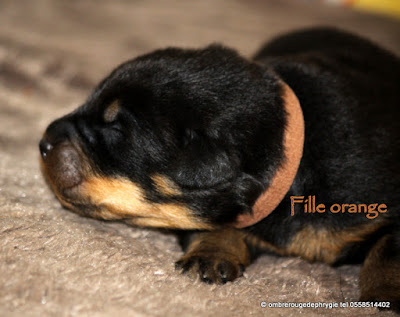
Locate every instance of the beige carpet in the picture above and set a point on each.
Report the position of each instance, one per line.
(54, 263)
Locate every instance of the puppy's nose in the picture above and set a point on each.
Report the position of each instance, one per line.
(45, 147)
(57, 132)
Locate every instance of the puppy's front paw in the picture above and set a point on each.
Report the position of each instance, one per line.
(212, 268)
(216, 256)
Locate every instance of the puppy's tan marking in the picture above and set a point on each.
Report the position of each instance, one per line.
(317, 244)
(122, 199)
(165, 185)
(110, 114)
(325, 245)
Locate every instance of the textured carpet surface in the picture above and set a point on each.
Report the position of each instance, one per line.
(55, 263)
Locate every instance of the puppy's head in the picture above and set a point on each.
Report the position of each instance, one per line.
(176, 138)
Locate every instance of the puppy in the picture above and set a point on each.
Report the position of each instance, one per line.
(295, 152)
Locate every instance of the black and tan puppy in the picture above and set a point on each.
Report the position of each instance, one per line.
(295, 152)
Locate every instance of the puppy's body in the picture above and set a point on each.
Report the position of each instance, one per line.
(189, 139)
(348, 91)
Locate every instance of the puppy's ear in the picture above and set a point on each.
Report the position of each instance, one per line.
(202, 162)
(207, 166)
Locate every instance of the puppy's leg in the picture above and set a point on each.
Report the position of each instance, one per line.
(216, 256)
(380, 274)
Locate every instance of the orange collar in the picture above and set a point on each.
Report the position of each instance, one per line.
(293, 151)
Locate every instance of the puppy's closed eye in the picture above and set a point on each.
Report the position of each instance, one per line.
(189, 136)
(111, 112)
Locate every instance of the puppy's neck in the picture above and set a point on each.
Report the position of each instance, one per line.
(293, 142)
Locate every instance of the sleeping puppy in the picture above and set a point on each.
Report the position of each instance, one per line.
(295, 152)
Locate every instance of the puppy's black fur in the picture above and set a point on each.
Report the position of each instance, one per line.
(199, 135)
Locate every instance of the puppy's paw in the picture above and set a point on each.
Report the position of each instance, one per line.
(215, 256)
(210, 267)
(380, 274)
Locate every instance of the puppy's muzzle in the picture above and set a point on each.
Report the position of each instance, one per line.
(61, 157)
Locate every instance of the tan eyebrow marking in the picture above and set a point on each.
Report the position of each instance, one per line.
(165, 185)
(112, 111)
